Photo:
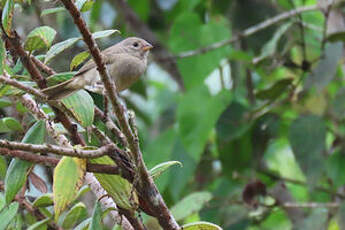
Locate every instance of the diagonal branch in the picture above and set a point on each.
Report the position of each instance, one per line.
(256, 28)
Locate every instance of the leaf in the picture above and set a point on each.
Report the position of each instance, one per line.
(82, 106)
(96, 220)
(59, 77)
(83, 225)
(271, 46)
(78, 59)
(12, 124)
(340, 217)
(191, 204)
(52, 11)
(117, 187)
(104, 33)
(189, 33)
(17, 171)
(273, 92)
(44, 200)
(2, 56)
(338, 104)
(193, 128)
(156, 171)
(84, 5)
(317, 220)
(202, 225)
(77, 213)
(40, 38)
(68, 175)
(59, 47)
(7, 214)
(307, 138)
(326, 68)
(7, 15)
(40, 225)
(4, 103)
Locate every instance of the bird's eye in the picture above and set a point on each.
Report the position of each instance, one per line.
(135, 44)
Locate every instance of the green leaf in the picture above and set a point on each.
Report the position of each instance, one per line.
(52, 11)
(84, 5)
(78, 59)
(195, 129)
(2, 56)
(67, 180)
(277, 89)
(59, 47)
(4, 103)
(307, 138)
(40, 225)
(59, 77)
(12, 124)
(117, 187)
(156, 171)
(191, 204)
(3, 167)
(83, 225)
(202, 225)
(77, 213)
(7, 214)
(44, 200)
(104, 33)
(189, 33)
(17, 171)
(40, 38)
(338, 104)
(82, 106)
(7, 15)
(96, 221)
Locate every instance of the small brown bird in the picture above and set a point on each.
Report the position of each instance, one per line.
(126, 62)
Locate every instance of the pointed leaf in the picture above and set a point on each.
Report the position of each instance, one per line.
(7, 214)
(202, 225)
(7, 15)
(40, 38)
(82, 106)
(44, 200)
(59, 47)
(78, 59)
(104, 33)
(191, 204)
(96, 221)
(4, 103)
(52, 11)
(68, 176)
(77, 213)
(156, 171)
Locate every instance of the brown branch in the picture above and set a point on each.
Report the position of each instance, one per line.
(72, 152)
(254, 29)
(43, 67)
(146, 188)
(161, 55)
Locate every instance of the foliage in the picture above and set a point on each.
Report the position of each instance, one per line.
(258, 126)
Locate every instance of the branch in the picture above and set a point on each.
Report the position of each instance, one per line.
(43, 67)
(160, 53)
(72, 152)
(254, 29)
(146, 187)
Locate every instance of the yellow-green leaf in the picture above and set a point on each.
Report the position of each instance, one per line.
(12, 124)
(68, 176)
(202, 225)
(162, 167)
(82, 106)
(7, 214)
(44, 200)
(117, 187)
(7, 15)
(78, 59)
(52, 11)
(40, 38)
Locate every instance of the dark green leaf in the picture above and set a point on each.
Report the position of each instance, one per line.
(60, 77)
(59, 47)
(77, 213)
(275, 90)
(5, 103)
(40, 225)
(2, 56)
(12, 124)
(40, 38)
(78, 59)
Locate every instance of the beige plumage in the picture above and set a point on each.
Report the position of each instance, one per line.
(126, 62)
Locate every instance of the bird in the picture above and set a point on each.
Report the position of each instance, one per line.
(126, 61)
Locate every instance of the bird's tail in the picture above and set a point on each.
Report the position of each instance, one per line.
(64, 89)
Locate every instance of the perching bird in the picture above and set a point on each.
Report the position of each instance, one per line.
(126, 62)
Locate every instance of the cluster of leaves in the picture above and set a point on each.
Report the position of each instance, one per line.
(263, 111)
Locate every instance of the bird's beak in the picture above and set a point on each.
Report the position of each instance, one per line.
(147, 47)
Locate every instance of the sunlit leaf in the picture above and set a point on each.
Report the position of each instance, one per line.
(78, 59)
(40, 38)
(160, 168)
(104, 33)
